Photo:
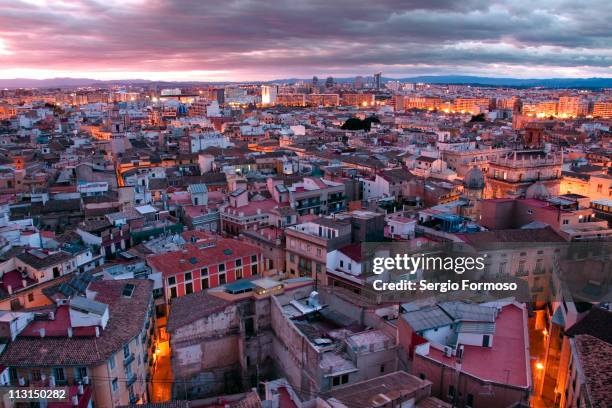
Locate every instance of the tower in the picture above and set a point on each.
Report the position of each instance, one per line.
(377, 80)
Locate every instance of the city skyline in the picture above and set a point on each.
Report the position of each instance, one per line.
(258, 41)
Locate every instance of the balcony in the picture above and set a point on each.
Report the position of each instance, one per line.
(131, 379)
(302, 205)
(127, 360)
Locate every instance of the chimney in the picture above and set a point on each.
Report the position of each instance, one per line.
(42, 332)
(9, 289)
(24, 283)
(51, 381)
(81, 391)
(52, 315)
(97, 331)
(75, 400)
(69, 332)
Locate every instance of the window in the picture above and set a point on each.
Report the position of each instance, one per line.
(13, 375)
(221, 268)
(238, 262)
(172, 280)
(239, 273)
(115, 385)
(173, 292)
(521, 269)
(59, 374)
(341, 264)
(340, 379)
(222, 279)
(187, 276)
(36, 375)
(451, 391)
(382, 368)
(421, 376)
(81, 372)
(318, 251)
(204, 271)
(291, 258)
(470, 400)
(502, 268)
(254, 258)
(204, 283)
(565, 222)
(126, 351)
(30, 297)
(254, 269)
(111, 362)
(188, 288)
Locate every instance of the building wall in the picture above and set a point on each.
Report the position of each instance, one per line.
(297, 359)
(485, 395)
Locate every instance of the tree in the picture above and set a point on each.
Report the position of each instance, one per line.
(358, 124)
(478, 118)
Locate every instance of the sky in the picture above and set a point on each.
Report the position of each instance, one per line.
(240, 40)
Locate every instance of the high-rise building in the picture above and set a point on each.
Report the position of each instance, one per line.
(329, 82)
(358, 82)
(377, 80)
(268, 94)
(603, 110)
(571, 106)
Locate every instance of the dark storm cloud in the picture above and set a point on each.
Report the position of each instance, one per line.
(298, 37)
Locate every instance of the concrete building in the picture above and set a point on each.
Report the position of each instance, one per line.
(308, 244)
(460, 348)
(221, 339)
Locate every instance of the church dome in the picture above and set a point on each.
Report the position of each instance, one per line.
(537, 190)
(474, 179)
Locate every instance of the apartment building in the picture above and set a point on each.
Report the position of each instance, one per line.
(460, 348)
(204, 263)
(96, 340)
(307, 246)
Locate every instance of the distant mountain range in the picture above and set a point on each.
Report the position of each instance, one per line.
(432, 79)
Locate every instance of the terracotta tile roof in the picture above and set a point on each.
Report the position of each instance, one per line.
(127, 319)
(368, 393)
(187, 309)
(596, 360)
(597, 323)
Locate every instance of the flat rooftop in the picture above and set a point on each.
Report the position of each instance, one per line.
(510, 351)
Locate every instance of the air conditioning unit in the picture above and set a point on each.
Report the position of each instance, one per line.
(448, 351)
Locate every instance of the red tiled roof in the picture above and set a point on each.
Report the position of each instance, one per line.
(126, 320)
(596, 360)
(353, 251)
(193, 257)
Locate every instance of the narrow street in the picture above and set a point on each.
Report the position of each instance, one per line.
(162, 376)
(537, 348)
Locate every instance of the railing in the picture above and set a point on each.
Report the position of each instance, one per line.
(131, 379)
(127, 360)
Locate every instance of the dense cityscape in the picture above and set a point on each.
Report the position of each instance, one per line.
(305, 204)
(203, 245)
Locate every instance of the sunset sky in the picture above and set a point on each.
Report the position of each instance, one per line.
(262, 40)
